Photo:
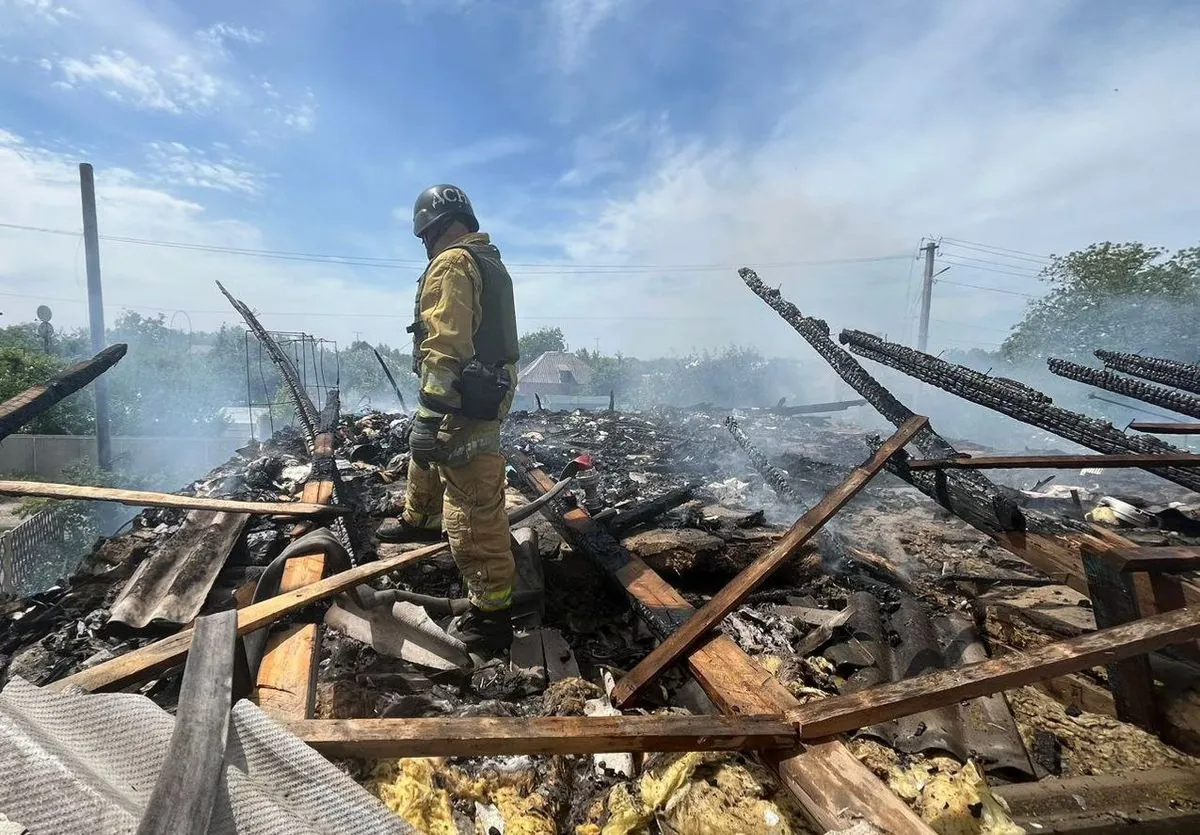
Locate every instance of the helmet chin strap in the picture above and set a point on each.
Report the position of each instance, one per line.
(434, 235)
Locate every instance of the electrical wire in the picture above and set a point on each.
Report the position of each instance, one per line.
(991, 289)
(988, 269)
(398, 263)
(1015, 254)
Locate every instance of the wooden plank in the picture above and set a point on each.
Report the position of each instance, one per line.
(1007, 462)
(155, 658)
(147, 498)
(1166, 558)
(679, 642)
(834, 789)
(494, 736)
(1165, 428)
(287, 677)
(17, 411)
(1114, 602)
(185, 792)
(942, 688)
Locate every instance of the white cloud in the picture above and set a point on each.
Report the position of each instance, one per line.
(219, 33)
(995, 126)
(181, 86)
(302, 117)
(176, 164)
(482, 151)
(573, 23)
(45, 11)
(42, 190)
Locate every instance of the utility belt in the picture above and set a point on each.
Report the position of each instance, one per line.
(483, 389)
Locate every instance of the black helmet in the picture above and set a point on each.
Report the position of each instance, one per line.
(441, 202)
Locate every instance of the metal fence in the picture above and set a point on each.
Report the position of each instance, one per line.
(50, 544)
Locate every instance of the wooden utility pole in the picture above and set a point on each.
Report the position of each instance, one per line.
(926, 294)
(91, 247)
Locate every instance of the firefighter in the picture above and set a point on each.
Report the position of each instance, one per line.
(465, 354)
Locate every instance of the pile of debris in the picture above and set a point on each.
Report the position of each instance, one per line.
(668, 537)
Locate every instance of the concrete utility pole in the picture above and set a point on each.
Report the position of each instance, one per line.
(91, 248)
(930, 249)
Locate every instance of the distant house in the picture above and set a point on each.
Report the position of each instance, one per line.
(552, 376)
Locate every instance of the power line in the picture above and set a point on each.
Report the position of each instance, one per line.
(992, 289)
(397, 263)
(1016, 254)
(972, 326)
(988, 269)
(986, 263)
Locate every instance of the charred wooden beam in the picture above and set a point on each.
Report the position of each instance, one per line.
(1165, 428)
(650, 510)
(815, 408)
(1180, 375)
(1167, 398)
(305, 410)
(1016, 462)
(1011, 399)
(970, 495)
(149, 498)
(185, 792)
(1114, 602)
(831, 785)
(774, 476)
(17, 411)
(676, 645)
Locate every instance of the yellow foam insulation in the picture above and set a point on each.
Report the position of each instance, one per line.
(695, 794)
(952, 798)
(421, 791)
(1091, 743)
(409, 788)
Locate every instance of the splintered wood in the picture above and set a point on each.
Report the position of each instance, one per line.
(677, 644)
(160, 656)
(148, 498)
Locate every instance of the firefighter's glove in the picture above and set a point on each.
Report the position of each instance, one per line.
(423, 440)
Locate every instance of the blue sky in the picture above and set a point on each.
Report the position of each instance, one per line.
(627, 155)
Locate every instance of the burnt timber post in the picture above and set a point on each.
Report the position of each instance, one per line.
(91, 247)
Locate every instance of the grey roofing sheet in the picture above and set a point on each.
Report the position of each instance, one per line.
(893, 646)
(173, 583)
(76, 762)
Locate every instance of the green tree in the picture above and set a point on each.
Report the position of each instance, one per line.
(363, 383)
(535, 343)
(21, 368)
(1122, 297)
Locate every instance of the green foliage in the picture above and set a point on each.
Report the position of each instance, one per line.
(535, 343)
(734, 376)
(23, 368)
(363, 383)
(1122, 297)
(163, 386)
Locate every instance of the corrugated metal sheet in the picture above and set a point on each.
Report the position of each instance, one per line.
(905, 642)
(172, 584)
(75, 763)
(548, 369)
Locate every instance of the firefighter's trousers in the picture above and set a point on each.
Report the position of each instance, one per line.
(465, 495)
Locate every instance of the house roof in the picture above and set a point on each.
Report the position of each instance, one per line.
(549, 366)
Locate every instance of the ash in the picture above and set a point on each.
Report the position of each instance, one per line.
(890, 544)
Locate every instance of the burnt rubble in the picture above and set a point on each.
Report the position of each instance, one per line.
(715, 513)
